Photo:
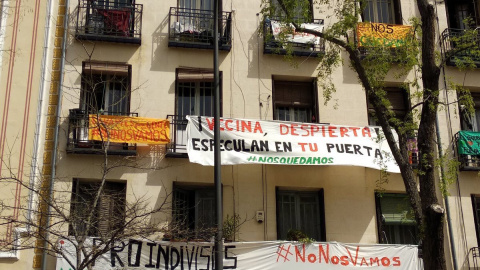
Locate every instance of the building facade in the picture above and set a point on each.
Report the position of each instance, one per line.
(24, 52)
(154, 59)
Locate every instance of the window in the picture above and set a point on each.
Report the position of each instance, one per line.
(193, 212)
(106, 88)
(476, 215)
(295, 101)
(194, 96)
(399, 103)
(382, 11)
(460, 10)
(298, 7)
(109, 214)
(395, 221)
(471, 121)
(300, 210)
(195, 92)
(197, 4)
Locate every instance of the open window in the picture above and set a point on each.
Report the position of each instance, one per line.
(194, 95)
(300, 211)
(109, 214)
(295, 100)
(459, 11)
(466, 139)
(476, 215)
(382, 11)
(105, 88)
(395, 221)
(193, 212)
(471, 121)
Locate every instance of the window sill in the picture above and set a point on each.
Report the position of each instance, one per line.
(13, 254)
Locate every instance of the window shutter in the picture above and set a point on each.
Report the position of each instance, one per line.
(194, 75)
(397, 98)
(395, 209)
(106, 215)
(107, 68)
(297, 94)
(111, 208)
(398, 101)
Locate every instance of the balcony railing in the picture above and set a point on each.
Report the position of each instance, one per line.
(467, 143)
(467, 46)
(105, 20)
(178, 134)
(275, 46)
(193, 28)
(78, 142)
(472, 261)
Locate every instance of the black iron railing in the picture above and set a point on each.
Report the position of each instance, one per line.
(472, 261)
(79, 143)
(105, 20)
(457, 45)
(193, 28)
(178, 134)
(271, 45)
(467, 162)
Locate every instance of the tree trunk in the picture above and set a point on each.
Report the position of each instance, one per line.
(433, 214)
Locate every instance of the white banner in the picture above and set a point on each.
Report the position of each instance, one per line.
(278, 255)
(297, 37)
(245, 141)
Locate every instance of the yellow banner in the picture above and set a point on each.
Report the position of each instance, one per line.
(126, 129)
(382, 34)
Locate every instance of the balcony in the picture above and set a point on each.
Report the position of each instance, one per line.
(472, 261)
(468, 150)
(177, 148)
(193, 28)
(103, 20)
(298, 45)
(466, 44)
(78, 142)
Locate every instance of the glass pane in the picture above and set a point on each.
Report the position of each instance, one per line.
(117, 103)
(282, 114)
(401, 234)
(476, 122)
(205, 209)
(286, 212)
(309, 216)
(185, 99)
(368, 13)
(302, 115)
(206, 99)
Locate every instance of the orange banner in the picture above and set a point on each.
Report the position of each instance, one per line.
(382, 34)
(126, 129)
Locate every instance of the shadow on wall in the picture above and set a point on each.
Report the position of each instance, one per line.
(349, 75)
(159, 40)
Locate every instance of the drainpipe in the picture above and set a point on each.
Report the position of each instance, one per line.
(57, 126)
(33, 171)
(445, 198)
